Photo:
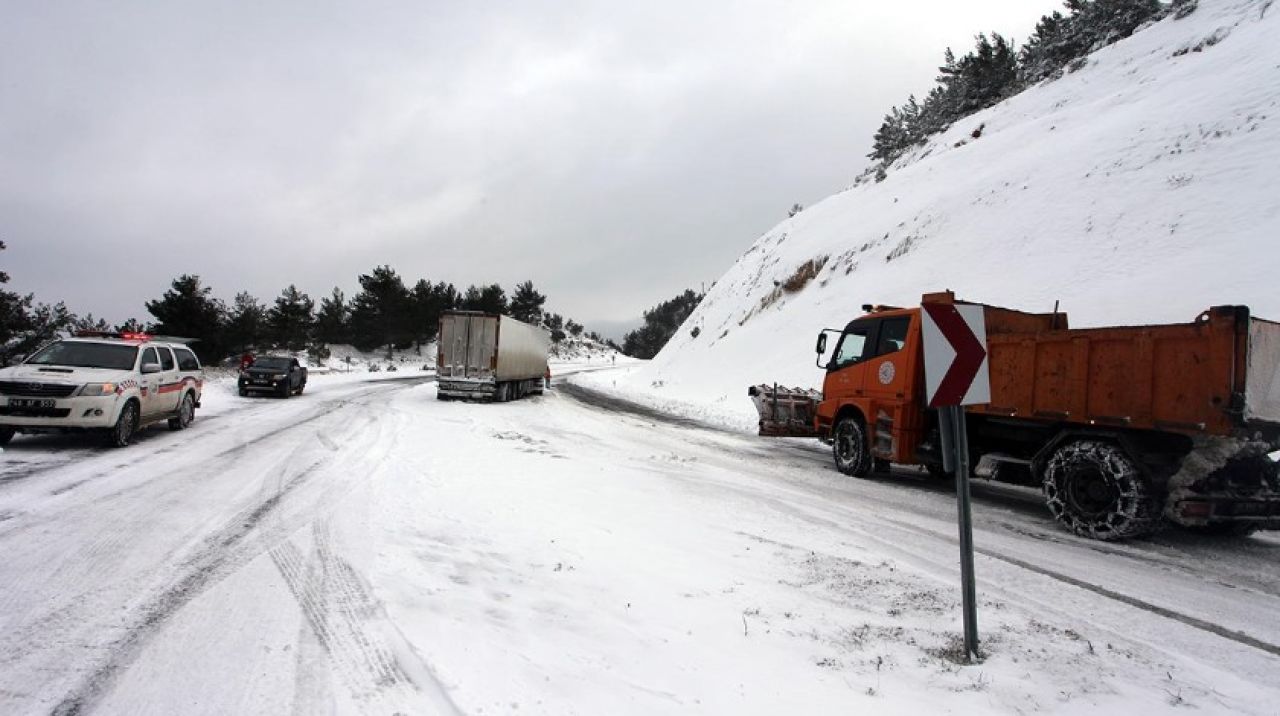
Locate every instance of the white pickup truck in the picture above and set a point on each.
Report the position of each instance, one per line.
(115, 383)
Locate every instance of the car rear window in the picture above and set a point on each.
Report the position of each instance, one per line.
(187, 360)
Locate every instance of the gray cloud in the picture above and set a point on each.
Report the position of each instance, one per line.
(613, 153)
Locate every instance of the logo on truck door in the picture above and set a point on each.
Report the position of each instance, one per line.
(887, 372)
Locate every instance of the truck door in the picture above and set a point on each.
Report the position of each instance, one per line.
(888, 386)
(844, 377)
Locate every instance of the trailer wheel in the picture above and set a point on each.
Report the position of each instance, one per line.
(849, 447)
(1095, 490)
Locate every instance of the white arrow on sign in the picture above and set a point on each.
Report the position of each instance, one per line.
(955, 354)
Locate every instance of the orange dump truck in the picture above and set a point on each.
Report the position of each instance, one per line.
(1123, 428)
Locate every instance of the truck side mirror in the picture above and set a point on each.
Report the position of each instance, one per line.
(148, 368)
(822, 343)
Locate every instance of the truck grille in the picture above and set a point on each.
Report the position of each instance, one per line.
(36, 390)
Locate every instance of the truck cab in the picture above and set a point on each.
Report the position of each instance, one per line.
(873, 375)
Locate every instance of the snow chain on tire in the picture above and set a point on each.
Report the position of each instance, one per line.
(1095, 490)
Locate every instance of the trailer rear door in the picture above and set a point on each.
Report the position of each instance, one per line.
(468, 344)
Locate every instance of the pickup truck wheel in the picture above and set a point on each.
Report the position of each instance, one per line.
(126, 425)
(1095, 490)
(186, 413)
(6, 434)
(301, 388)
(285, 391)
(849, 447)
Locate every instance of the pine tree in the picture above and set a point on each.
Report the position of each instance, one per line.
(490, 299)
(131, 325)
(526, 303)
(291, 319)
(660, 323)
(246, 324)
(15, 319)
(332, 323)
(88, 323)
(187, 309)
(381, 314)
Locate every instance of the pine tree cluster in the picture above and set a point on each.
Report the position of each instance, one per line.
(385, 313)
(660, 323)
(994, 70)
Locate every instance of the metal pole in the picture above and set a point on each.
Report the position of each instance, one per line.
(947, 439)
(968, 588)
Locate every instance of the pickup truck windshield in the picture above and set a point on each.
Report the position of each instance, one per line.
(86, 355)
(272, 363)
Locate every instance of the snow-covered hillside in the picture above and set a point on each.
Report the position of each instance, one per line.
(1140, 188)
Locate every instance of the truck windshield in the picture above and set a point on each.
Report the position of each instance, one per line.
(86, 355)
(271, 363)
(852, 345)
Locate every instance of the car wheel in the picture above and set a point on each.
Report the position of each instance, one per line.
(301, 388)
(6, 434)
(285, 391)
(849, 447)
(186, 413)
(126, 425)
(243, 392)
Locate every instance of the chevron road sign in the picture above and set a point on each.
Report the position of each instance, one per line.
(955, 355)
(956, 374)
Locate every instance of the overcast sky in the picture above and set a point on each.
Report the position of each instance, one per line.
(614, 153)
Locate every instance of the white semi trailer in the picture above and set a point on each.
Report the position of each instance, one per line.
(484, 356)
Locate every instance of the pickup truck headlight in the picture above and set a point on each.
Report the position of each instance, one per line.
(98, 389)
(279, 376)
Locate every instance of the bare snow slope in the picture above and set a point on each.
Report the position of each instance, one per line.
(1141, 188)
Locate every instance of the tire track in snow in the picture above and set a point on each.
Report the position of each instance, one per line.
(211, 564)
(344, 617)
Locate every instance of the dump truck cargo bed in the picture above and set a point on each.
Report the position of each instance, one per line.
(1214, 376)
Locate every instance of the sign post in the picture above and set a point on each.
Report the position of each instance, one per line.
(955, 369)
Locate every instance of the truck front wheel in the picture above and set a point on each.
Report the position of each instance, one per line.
(849, 446)
(1095, 490)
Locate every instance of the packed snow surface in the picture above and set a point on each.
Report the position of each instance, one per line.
(1138, 189)
(367, 549)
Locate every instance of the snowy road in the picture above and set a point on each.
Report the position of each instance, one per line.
(368, 549)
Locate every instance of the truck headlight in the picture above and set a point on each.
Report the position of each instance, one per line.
(279, 376)
(98, 389)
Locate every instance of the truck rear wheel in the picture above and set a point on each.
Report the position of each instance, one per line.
(1095, 490)
(6, 434)
(849, 447)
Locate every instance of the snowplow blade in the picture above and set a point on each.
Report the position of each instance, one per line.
(786, 412)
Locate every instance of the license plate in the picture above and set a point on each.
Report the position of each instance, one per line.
(262, 382)
(30, 403)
